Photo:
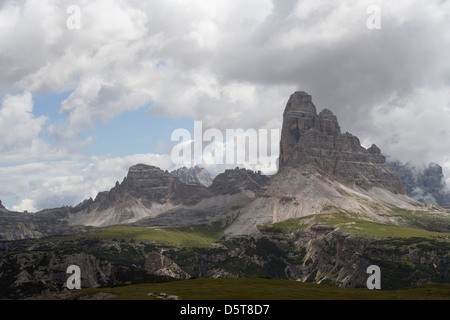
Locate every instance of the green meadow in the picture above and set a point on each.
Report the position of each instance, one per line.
(349, 223)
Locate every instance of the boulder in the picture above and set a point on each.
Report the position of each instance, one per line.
(159, 265)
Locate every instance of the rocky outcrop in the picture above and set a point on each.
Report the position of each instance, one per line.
(22, 225)
(25, 273)
(316, 139)
(321, 168)
(151, 185)
(148, 192)
(234, 181)
(194, 175)
(426, 185)
(2, 208)
(159, 265)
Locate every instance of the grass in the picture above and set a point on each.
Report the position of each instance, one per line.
(351, 224)
(378, 230)
(287, 226)
(424, 219)
(263, 289)
(168, 236)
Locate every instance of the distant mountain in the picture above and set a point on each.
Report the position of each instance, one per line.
(2, 208)
(195, 175)
(236, 180)
(148, 192)
(426, 185)
(147, 196)
(323, 171)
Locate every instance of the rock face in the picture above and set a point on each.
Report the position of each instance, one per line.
(148, 192)
(2, 208)
(155, 185)
(159, 265)
(32, 272)
(316, 139)
(194, 175)
(151, 185)
(321, 170)
(238, 180)
(426, 185)
(21, 225)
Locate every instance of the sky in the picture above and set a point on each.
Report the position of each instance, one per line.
(90, 88)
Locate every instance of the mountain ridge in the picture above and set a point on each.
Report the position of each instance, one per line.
(321, 168)
(148, 191)
(194, 175)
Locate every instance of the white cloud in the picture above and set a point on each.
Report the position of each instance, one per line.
(18, 126)
(25, 205)
(39, 185)
(20, 130)
(229, 63)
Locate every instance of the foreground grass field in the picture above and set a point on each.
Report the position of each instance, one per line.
(254, 289)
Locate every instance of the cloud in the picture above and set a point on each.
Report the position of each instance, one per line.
(20, 132)
(18, 126)
(39, 185)
(25, 205)
(232, 65)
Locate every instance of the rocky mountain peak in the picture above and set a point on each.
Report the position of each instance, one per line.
(374, 149)
(233, 181)
(328, 123)
(148, 182)
(2, 208)
(195, 175)
(316, 139)
(301, 101)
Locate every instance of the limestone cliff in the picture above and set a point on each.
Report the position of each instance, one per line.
(316, 139)
(321, 168)
(195, 175)
(149, 192)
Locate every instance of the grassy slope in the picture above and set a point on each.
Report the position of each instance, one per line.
(263, 289)
(348, 222)
(417, 224)
(189, 236)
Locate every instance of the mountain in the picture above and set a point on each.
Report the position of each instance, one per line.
(426, 185)
(148, 192)
(2, 208)
(316, 139)
(229, 192)
(323, 170)
(238, 180)
(195, 175)
(147, 196)
(24, 225)
(333, 209)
